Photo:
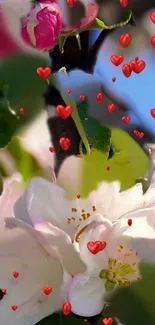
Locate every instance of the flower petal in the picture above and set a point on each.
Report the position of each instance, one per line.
(46, 201)
(98, 229)
(20, 252)
(112, 203)
(86, 295)
(55, 238)
(10, 194)
(140, 236)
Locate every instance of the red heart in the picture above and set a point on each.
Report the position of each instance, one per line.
(139, 134)
(70, 3)
(46, 290)
(21, 110)
(15, 274)
(14, 307)
(66, 308)
(4, 291)
(126, 119)
(111, 108)
(117, 59)
(137, 67)
(107, 321)
(126, 69)
(51, 149)
(152, 111)
(152, 16)
(94, 247)
(82, 97)
(43, 72)
(125, 40)
(124, 3)
(153, 41)
(64, 112)
(113, 79)
(64, 143)
(103, 244)
(99, 98)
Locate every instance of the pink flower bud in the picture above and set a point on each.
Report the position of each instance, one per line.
(42, 26)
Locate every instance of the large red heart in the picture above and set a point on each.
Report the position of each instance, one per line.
(46, 290)
(126, 69)
(152, 16)
(107, 321)
(125, 40)
(117, 59)
(14, 307)
(94, 247)
(64, 112)
(139, 134)
(43, 72)
(137, 67)
(126, 119)
(65, 143)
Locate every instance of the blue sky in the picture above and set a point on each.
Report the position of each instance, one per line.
(138, 90)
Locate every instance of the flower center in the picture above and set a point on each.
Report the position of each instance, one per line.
(120, 272)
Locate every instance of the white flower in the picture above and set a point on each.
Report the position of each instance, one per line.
(38, 268)
(37, 244)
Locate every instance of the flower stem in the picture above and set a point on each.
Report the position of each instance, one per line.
(79, 126)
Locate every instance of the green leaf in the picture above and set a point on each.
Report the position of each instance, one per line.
(25, 163)
(61, 319)
(8, 123)
(129, 163)
(25, 87)
(98, 135)
(134, 305)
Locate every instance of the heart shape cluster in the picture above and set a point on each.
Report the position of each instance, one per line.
(96, 246)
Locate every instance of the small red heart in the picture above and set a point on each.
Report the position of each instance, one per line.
(15, 274)
(69, 91)
(103, 244)
(126, 69)
(70, 3)
(64, 112)
(14, 307)
(82, 97)
(139, 134)
(111, 108)
(51, 149)
(107, 321)
(99, 98)
(138, 66)
(43, 72)
(46, 290)
(66, 308)
(64, 143)
(113, 79)
(4, 291)
(152, 111)
(94, 247)
(125, 40)
(152, 16)
(117, 59)
(124, 3)
(126, 119)
(21, 110)
(153, 41)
